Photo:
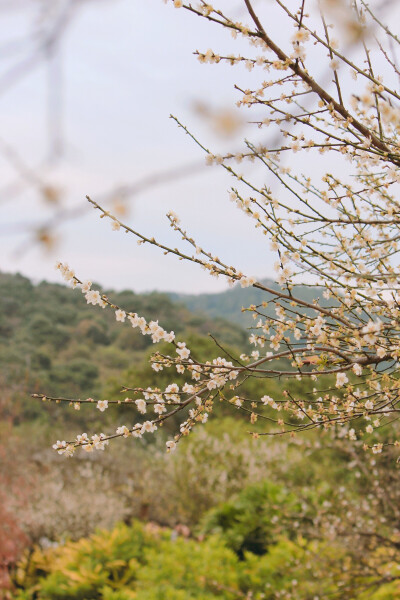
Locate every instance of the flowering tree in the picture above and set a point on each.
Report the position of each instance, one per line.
(335, 225)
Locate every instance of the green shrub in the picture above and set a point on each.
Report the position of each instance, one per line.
(253, 520)
(114, 565)
(149, 563)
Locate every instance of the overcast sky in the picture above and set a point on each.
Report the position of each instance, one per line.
(121, 68)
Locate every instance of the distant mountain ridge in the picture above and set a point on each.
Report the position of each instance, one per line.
(228, 305)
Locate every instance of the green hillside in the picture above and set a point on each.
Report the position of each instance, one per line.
(52, 341)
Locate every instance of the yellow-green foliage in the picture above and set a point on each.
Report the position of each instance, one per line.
(129, 562)
(149, 563)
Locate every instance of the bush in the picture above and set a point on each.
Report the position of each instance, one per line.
(150, 563)
(253, 520)
(114, 565)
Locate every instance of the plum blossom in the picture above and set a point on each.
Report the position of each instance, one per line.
(102, 405)
(341, 379)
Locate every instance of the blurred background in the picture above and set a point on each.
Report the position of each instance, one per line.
(86, 90)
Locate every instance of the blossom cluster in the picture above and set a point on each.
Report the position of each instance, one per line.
(94, 297)
(338, 233)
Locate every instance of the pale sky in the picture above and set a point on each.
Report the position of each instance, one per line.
(126, 65)
(122, 67)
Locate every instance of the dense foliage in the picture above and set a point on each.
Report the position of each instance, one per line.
(153, 563)
(72, 349)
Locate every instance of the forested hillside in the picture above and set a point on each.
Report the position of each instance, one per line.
(52, 341)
